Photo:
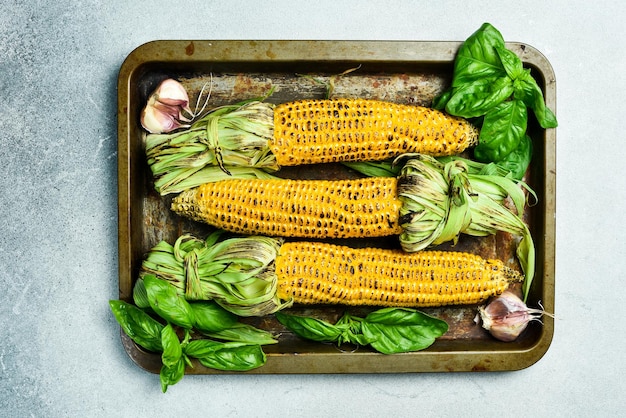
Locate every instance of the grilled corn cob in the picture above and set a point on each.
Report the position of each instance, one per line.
(321, 131)
(366, 207)
(255, 275)
(428, 204)
(313, 273)
(263, 137)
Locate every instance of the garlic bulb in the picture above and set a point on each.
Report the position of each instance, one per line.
(167, 108)
(506, 316)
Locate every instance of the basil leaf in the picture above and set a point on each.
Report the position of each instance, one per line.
(243, 358)
(529, 92)
(481, 44)
(244, 333)
(140, 297)
(170, 375)
(166, 302)
(351, 330)
(477, 98)
(470, 71)
(547, 118)
(172, 350)
(355, 337)
(210, 317)
(503, 128)
(477, 57)
(206, 348)
(400, 330)
(440, 101)
(389, 330)
(510, 61)
(490, 80)
(309, 328)
(138, 325)
(518, 160)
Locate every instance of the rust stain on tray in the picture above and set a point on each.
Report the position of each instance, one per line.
(190, 49)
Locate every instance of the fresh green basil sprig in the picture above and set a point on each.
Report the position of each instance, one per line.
(491, 86)
(230, 346)
(387, 330)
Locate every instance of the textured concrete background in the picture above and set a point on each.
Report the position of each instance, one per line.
(60, 352)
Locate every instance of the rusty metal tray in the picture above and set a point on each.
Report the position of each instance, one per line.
(409, 72)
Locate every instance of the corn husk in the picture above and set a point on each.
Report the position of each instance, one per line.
(237, 273)
(443, 199)
(228, 141)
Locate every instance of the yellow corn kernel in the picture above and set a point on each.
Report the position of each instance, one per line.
(322, 131)
(321, 273)
(367, 207)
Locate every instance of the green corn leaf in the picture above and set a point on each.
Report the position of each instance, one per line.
(228, 141)
(526, 255)
(375, 168)
(237, 273)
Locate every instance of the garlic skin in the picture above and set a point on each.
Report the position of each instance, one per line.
(507, 316)
(167, 108)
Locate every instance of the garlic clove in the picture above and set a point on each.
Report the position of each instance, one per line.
(172, 107)
(173, 102)
(156, 121)
(171, 110)
(507, 316)
(172, 93)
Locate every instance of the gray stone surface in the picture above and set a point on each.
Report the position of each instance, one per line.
(60, 352)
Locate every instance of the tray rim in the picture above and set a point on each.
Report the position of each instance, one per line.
(194, 51)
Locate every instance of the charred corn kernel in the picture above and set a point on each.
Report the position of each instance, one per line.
(321, 131)
(321, 273)
(366, 207)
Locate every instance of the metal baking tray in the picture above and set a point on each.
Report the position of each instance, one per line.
(400, 71)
